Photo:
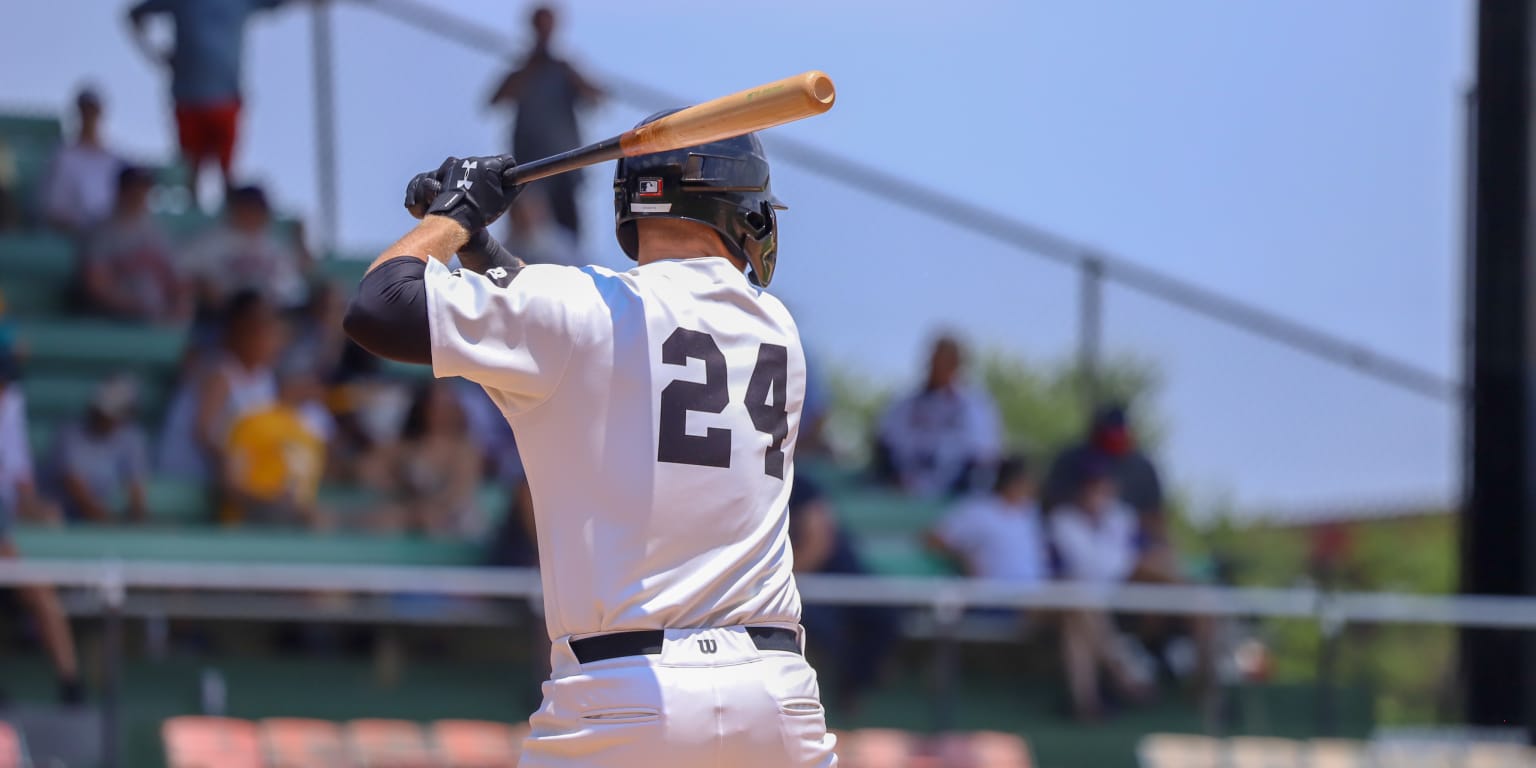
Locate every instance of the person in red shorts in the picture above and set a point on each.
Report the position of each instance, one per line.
(205, 74)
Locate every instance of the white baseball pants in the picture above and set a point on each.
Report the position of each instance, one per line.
(710, 699)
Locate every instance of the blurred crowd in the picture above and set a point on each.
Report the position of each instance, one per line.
(271, 404)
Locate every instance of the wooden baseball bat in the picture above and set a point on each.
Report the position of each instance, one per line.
(776, 103)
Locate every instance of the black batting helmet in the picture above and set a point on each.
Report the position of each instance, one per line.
(722, 184)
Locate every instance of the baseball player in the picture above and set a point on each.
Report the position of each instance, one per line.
(657, 410)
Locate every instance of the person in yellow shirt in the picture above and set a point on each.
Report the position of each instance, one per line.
(277, 457)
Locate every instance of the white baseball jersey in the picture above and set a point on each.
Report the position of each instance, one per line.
(656, 411)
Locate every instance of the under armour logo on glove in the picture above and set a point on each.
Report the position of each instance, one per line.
(473, 192)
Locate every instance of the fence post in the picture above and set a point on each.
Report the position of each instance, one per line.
(323, 62)
(1330, 628)
(948, 609)
(113, 594)
(1090, 328)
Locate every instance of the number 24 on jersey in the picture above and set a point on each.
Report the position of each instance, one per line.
(766, 403)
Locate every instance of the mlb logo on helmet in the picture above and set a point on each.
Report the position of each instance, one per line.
(650, 187)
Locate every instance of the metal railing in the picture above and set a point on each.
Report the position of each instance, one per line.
(122, 589)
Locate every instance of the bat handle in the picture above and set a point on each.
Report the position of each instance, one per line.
(579, 157)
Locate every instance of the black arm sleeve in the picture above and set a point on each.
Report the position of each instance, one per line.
(482, 254)
(388, 316)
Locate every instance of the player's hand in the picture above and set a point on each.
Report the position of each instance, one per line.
(423, 189)
(473, 193)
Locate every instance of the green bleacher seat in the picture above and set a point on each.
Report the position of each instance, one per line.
(877, 510)
(54, 398)
(834, 479)
(40, 438)
(346, 271)
(176, 501)
(36, 254)
(183, 226)
(101, 346)
(32, 139)
(900, 555)
(225, 545)
(35, 273)
(345, 500)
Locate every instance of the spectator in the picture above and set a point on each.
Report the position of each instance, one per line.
(1093, 535)
(997, 535)
(547, 90)
(318, 341)
(243, 253)
(433, 472)
(938, 440)
(1111, 442)
(10, 205)
(276, 456)
(102, 461)
(18, 498)
(127, 268)
(205, 74)
(538, 239)
(82, 182)
(858, 638)
(236, 379)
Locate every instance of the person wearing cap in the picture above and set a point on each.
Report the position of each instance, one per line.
(128, 267)
(1111, 440)
(19, 498)
(81, 184)
(101, 461)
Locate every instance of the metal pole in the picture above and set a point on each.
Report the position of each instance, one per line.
(112, 596)
(323, 61)
(947, 613)
(1330, 627)
(1090, 328)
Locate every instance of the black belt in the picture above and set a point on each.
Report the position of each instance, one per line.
(646, 642)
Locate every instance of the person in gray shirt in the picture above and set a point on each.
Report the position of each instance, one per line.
(546, 91)
(101, 461)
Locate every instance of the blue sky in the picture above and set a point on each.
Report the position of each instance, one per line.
(1305, 156)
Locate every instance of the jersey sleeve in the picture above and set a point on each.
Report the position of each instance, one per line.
(517, 339)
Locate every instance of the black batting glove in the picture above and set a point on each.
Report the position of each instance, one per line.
(473, 193)
(424, 188)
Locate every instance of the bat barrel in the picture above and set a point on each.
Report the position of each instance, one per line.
(782, 101)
